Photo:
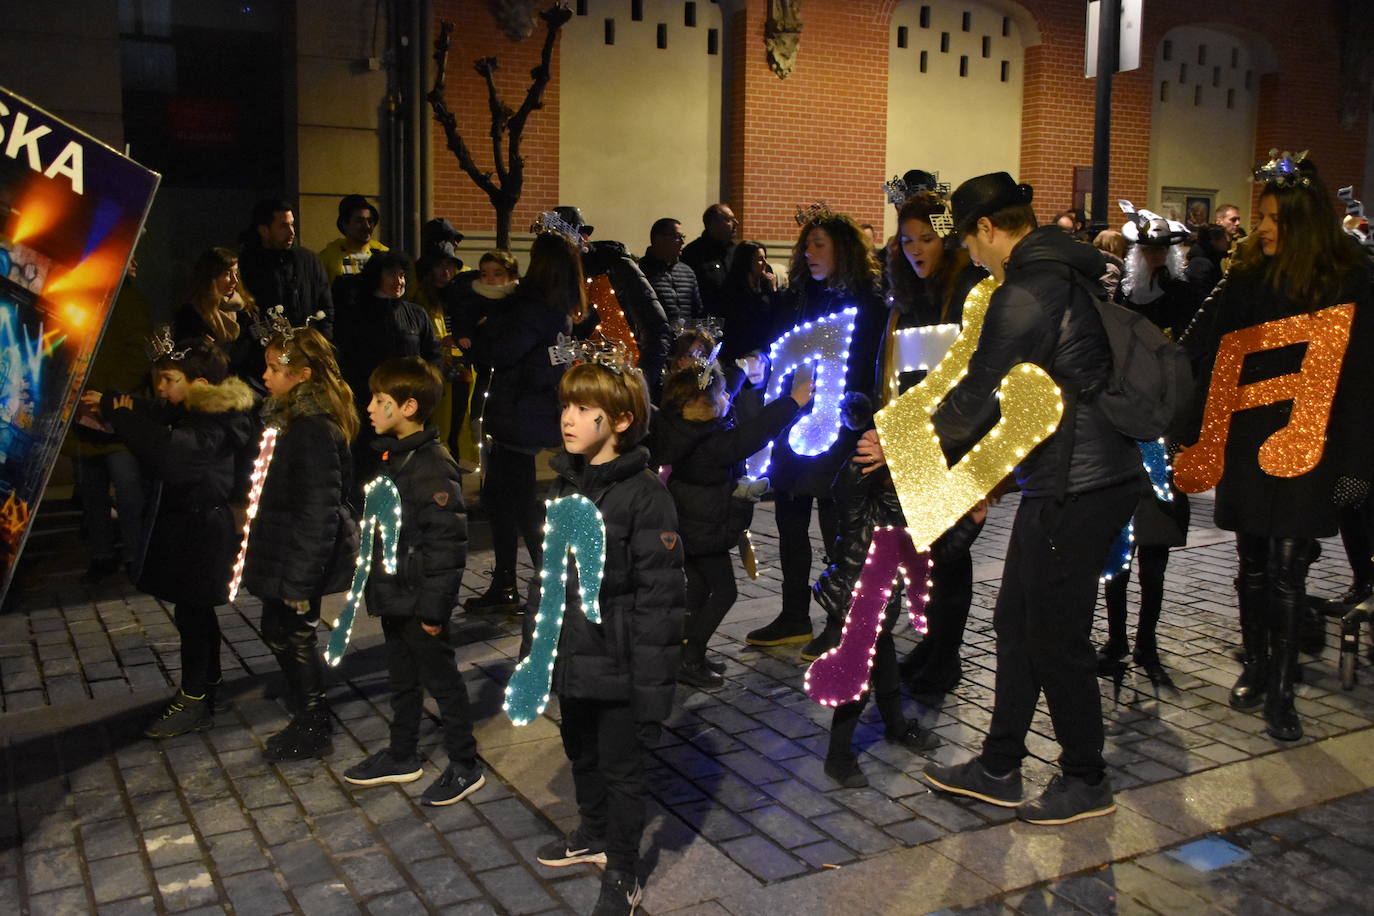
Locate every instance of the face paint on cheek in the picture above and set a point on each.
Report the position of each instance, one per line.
(386, 411)
(597, 420)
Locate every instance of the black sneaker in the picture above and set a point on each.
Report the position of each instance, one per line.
(780, 632)
(696, 674)
(572, 849)
(499, 599)
(1066, 800)
(384, 767)
(715, 665)
(306, 735)
(182, 716)
(846, 772)
(620, 894)
(913, 737)
(971, 779)
(456, 784)
(828, 639)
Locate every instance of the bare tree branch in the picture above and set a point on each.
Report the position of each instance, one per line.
(450, 123)
(500, 114)
(555, 17)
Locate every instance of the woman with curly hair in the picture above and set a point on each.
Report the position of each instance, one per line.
(832, 269)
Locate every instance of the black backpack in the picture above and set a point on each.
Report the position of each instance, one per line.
(1151, 381)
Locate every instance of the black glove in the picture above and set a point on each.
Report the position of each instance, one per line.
(1350, 492)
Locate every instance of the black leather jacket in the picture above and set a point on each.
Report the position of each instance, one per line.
(1041, 314)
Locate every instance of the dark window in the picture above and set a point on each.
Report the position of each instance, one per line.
(987, 46)
(1006, 26)
(1201, 54)
(924, 60)
(944, 42)
(967, 21)
(925, 17)
(610, 32)
(963, 65)
(901, 36)
(581, 7)
(1006, 70)
(1249, 79)
(1230, 98)
(1216, 76)
(1183, 73)
(1164, 90)
(1197, 95)
(1235, 57)
(712, 41)
(637, 10)
(1168, 49)
(662, 35)
(689, 15)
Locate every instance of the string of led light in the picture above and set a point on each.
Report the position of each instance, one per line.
(381, 517)
(572, 525)
(266, 446)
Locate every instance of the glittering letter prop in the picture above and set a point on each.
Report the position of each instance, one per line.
(572, 523)
(921, 348)
(824, 345)
(381, 516)
(841, 675)
(611, 320)
(1296, 448)
(933, 495)
(266, 446)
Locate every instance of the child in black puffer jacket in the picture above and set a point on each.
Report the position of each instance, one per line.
(615, 679)
(696, 434)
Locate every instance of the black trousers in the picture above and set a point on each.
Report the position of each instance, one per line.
(1281, 564)
(951, 595)
(1043, 620)
(792, 512)
(416, 662)
(711, 592)
(198, 625)
(885, 685)
(606, 747)
(294, 642)
(1354, 526)
(510, 502)
(1153, 560)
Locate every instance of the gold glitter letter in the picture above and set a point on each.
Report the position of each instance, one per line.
(1297, 447)
(933, 495)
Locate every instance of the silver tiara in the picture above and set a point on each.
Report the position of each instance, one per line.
(273, 323)
(161, 346)
(550, 221)
(709, 325)
(899, 192)
(610, 354)
(1282, 169)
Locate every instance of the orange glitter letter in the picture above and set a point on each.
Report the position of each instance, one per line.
(1297, 447)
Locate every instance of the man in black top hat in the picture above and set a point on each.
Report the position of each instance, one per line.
(348, 254)
(1078, 489)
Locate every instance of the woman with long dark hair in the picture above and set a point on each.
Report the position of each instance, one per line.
(749, 303)
(832, 269)
(222, 310)
(1298, 264)
(522, 407)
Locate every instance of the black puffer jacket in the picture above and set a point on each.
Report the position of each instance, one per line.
(522, 406)
(377, 330)
(1249, 500)
(638, 301)
(294, 279)
(194, 451)
(632, 655)
(812, 474)
(710, 259)
(303, 540)
(707, 455)
(675, 285)
(1042, 315)
(434, 531)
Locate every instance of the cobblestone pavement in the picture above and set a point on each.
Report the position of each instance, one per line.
(742, 817)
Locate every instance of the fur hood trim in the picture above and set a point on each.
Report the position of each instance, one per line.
(229, 396)
(301, 401)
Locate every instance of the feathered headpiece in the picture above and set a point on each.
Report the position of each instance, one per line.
(1283, 169)
(602, 351)
(273, 323)
(161, 346)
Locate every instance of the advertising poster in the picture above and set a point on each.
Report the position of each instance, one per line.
(71, 210)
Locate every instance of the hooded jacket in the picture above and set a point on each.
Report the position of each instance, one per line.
(1041, 314)
(433, 546)
(707, 455)
(632, 655)
(303, 541)
(196, 450)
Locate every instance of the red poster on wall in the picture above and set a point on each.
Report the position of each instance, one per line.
(71, 210)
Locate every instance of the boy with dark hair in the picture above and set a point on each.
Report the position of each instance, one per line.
(192, 441)
(615, 680)
(416, 601)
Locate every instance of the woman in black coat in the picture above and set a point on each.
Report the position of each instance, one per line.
(750, 302)
(220, 309)
(521, 411)
(833, 269)
(1297, 264)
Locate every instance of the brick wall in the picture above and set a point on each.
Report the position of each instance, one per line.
(820, 133)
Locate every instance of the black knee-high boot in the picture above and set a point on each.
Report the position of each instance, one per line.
(295, 645)
(1288, 561)
(1252, 593)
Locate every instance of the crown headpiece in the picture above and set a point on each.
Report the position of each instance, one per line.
(550, 221)
(705, 365)
(942, 221)
(161, 346)
(817, 211)
(1283, 169)
(273, 323)
(899, 190)
(708, 325)
(602, 351)
(1353, 207)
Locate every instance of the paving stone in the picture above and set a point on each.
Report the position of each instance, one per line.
(1087, 892)
(185, 886)
(118, 877)
(256, 892)
(914, 832)
(512, 819)
(516, 890)
(853, 832)
(171, 846)
(400, 902)
(52, 869)
(480, 848)
(762, 857)
(330, 897)
(783, 827)
(222, 817)
(302, 863)
(441, 881)
(371, 873)
(346, 831)
(235, 852)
